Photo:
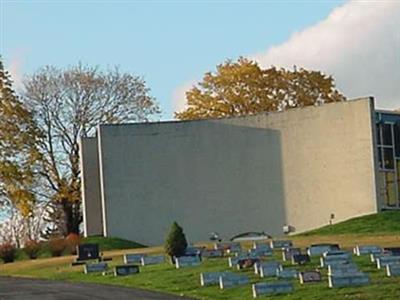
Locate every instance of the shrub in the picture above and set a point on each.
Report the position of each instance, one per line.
(32, 249)
(57, 246)
(72, 241)
(175, 244)
(8, 252)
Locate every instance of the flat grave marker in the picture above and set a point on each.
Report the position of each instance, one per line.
(395, 251)
(367, 250)
(300, 259)
(309, 277)
(393, 270)
(262, 246)
(319, 249)
(271, 288)
(382, 261)
(268, 269)
(187, 261)
(288, 253)
(95, 267)
(212, 253)
(244, 263)
(232, 279)
(260, 252)
(125, 270)
(342, 269)
(132, 258)
(152, 260)
(287, 273)
(211, 278)
(346, 280)
(281, 244)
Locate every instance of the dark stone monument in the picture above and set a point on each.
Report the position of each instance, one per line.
(87, 252)
(310, 276)
(300, 259)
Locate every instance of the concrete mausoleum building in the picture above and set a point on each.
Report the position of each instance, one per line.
(302, 168)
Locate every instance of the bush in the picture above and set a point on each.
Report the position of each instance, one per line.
(8, 252)
(32, 249)
(175, 244)
(57, 246)
(72, 241)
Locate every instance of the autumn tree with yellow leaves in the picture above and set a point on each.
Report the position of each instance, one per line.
(19, 153)
(242, 87)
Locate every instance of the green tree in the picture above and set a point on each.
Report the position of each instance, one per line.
(243, 88)
(175, 244)
(67, 104)
(18, 149)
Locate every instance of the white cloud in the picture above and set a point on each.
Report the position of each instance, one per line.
(15, 69)
(358, 43)
(179, 96)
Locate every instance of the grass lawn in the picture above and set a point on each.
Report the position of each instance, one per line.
(166, 278)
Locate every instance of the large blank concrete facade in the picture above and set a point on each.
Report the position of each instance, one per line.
(300, 167)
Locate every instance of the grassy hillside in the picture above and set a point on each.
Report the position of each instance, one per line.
(377, 224)
(167, 279)
(105, 244)
(111, 243)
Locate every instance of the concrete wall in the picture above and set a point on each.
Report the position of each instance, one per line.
(91, 199)
(329, 161)
(241, 174)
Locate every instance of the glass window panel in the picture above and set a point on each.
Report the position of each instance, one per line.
(380, 162)
(378, 134)
(390, 191)
(397, 139)
(388, 162)
(387, 134)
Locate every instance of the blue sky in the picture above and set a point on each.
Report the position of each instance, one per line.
(169, 43)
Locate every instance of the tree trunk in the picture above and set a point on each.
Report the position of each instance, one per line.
(72, 217)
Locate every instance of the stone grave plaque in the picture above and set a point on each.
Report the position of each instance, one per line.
(281, 244)
(227, 246)
(310, 277)
(342, 269)
(395, 251)
(95, 267)
(367, 250)
(350, 279)
(319, 249)
(262, 246)
(135, 258)
(268, 269)
(212, 253)
(87, 252)
(288, 253)
(393, 270)
(337, 253)
(300, 259)
(187, 261)
(245, 263)
(193, 251)
(260, 252)
(152, 260)
(232, 279)
(287, 273)
(334, 260)
(125, 270)
(271, 288)
(210, 278)
(382, 261)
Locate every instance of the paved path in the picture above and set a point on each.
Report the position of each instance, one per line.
(35, 289)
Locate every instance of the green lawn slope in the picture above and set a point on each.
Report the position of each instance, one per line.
(387, 222)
